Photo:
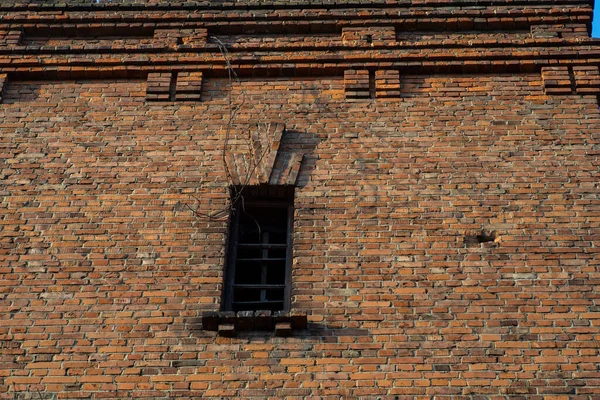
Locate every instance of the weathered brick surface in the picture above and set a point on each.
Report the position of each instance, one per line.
(587, 79)
(10, 37)
(558, 80)
(357, 84)
(158, 87)
(445, 239)
(387, 84)
(369, 35)
(3, 82)
(189, 86)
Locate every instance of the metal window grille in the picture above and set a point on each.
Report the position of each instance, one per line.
(258, 272)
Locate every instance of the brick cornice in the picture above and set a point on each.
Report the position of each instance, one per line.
(182, 39)
(446, 15)
(85, 5)
(305, 63)
(490, 47)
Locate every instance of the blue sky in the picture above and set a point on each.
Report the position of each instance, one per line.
(596, 22)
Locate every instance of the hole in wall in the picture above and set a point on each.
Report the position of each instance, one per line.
(480, 237)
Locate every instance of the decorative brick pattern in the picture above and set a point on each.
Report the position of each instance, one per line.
(188, 86)
(368, 35)
(560, 31)
(357, 84)
(387, 84)
(266, 151)
(187, 38)
(544, 32)
(557, 80)
(10, 37)
(170, 38)
(286, 168)
(265, 164)
(194, 38)
(159, 86)
(570, 80)
(587, 80)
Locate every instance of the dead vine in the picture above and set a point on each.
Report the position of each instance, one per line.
(234, 106)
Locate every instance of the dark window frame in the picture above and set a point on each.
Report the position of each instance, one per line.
(246, 201)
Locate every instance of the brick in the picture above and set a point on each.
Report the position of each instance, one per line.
(3, 82)
(444, 245)
(357, 84)
(158, 87)
(283, 329)
(368, 35)
(226, 330)
(587, 79)
(387, 84)
(11, 37)
(187, 38)
(189, 86)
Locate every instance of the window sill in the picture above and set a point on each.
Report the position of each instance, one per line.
(227, 323)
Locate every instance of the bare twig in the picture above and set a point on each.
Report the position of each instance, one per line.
(255, 159)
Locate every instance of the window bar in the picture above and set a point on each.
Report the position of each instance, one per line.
(288, 264)
(263, 265)
(258, 286)
(232, 271)
(263, 245)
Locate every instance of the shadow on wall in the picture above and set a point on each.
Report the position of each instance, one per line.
(20, 92)
(301, 143)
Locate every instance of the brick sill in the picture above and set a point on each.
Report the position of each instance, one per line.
(227, 323)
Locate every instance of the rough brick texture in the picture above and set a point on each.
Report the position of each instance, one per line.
(558, 80)
(357, 84)
(446, 229)
(3, 82)
(368, 35)
(159, 85)
(387, 84)
(189, 86)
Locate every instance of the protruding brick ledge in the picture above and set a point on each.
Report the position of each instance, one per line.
(159, 86)
(11, 37)
(357, 84)
(165, 86)
(188, 86)
(228, 323)
(557, 80)
(387, 84)
(571, 80)
(587, 80)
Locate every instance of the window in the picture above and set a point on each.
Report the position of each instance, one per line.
(259, 258)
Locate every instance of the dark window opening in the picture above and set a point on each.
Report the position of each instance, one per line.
(258, 272)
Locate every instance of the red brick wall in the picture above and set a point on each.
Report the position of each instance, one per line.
(105, 270)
